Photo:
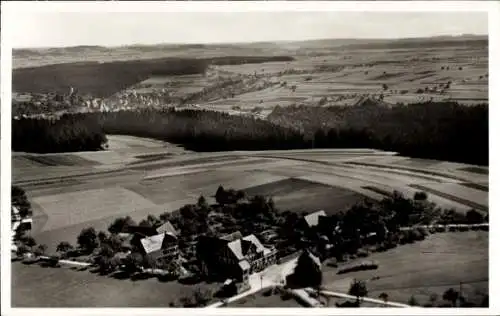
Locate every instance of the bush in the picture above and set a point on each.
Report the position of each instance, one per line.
(358, 267)
(285, 296)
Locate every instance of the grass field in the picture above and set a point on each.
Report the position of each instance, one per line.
(303, 196)
(34, 286)
(431, 266)
(72, 208)
(260, 300)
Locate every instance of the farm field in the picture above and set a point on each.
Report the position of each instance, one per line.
(423, 268)
(300, 181)
(62, 287)
(330, 74)
(300, 196)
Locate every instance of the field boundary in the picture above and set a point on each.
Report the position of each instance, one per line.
(450, 197)
(433, 173)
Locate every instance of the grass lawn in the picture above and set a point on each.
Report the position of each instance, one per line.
(260, 300)
(298, 195)
(34, 286)
(420, 269)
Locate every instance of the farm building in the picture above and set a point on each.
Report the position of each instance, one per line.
(160, 247)
(233, 256)
(158, 243)
(313, 220)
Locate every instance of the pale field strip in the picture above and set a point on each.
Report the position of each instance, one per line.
(454, 189)
(355, 184)
(263, 165)
(402, 175)
(72, 208)
(366, 176)
(118, 141)
(196, 168)
(427, 170)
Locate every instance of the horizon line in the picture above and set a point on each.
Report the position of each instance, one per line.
(253, 42)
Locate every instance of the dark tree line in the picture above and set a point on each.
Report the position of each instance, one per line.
(442, 131)
(432, 130)
(201, 130)
(69, 133)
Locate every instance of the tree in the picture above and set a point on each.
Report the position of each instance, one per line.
(20, 200)
(433, 298)
(201, 297)
(87, 240)
(120, 225)
(103, 238)
(202, 202)
(358, 289)
(413, 301)
(474, 217)
(40, 250)
(21, 250)
(29, 241)
(384, 297)
(307, 271)
(145, 223)
(153, 221)
(451, 295)
(64, 247)
(420, 196)
(134, 262)
(220, 195)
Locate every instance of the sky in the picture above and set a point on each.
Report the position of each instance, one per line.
(124, 28)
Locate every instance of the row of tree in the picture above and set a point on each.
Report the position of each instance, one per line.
(442, 131)
(69, 133)
(433, 130)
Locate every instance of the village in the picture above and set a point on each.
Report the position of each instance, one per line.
(246, 245)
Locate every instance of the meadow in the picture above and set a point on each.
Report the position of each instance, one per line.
(424, 268)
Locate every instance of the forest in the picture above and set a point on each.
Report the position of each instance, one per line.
(441, 131)
(69, 133)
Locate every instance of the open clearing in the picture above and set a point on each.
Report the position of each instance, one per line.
(423, 268)
(64, 287)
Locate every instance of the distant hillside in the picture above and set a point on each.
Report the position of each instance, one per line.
(105, 79)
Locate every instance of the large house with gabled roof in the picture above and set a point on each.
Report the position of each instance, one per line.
(233, 256)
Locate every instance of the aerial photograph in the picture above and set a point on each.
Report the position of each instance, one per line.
(287, 159)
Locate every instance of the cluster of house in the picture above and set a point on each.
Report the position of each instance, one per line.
(230, 257)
